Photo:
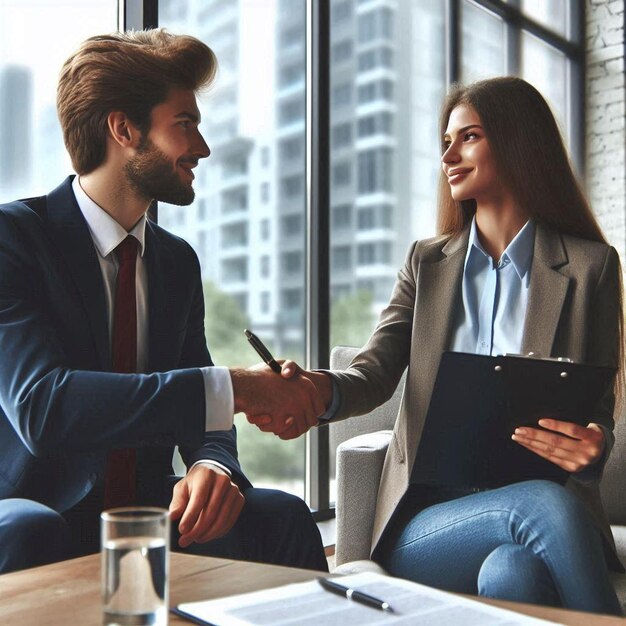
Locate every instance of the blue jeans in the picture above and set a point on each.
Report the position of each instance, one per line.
(531, 542)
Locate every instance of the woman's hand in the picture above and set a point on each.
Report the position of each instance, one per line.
(570, 446)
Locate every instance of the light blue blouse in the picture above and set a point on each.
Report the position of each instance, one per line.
(491, 315)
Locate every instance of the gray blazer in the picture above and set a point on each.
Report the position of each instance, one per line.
(573, 311)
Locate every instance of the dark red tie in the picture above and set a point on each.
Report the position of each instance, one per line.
(119, 479)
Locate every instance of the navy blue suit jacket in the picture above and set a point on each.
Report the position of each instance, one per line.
(60, 407)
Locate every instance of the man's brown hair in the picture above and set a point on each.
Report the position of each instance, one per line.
(130, 72)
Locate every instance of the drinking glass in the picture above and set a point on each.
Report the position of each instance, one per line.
(135, 566)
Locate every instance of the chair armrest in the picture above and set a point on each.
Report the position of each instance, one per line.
(359, 467)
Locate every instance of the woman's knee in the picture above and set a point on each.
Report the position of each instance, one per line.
(514, 572)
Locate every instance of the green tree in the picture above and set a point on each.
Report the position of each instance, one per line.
(263, 456)
(351, 319)
(224, 323)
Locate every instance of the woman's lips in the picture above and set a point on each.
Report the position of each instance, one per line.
(457, 176)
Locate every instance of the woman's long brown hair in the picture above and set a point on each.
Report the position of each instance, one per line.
(533, 164)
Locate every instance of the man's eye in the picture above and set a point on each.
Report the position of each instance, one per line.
(185, 123)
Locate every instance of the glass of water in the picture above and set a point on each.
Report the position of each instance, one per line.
(135, 566)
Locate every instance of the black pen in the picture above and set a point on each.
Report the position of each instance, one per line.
(262, 351)
(353, 594)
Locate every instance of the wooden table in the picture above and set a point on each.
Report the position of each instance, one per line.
(68, 593)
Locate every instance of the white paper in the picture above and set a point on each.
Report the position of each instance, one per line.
(307, 604)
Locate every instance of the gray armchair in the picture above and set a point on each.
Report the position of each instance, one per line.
(361, 445)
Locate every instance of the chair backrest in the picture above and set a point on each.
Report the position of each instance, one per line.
(381, 418)
(613, 485)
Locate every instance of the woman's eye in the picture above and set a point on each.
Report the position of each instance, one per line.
(471, 136)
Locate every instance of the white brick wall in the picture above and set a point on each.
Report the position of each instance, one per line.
(605, 117)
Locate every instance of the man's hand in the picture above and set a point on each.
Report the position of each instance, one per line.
(285, 406)
(209, 503)
(570, 446)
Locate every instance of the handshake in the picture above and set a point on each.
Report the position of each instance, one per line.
(287, 404)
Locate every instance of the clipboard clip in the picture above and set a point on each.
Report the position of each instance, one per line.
(533, 355)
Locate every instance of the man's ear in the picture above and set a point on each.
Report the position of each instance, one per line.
(122, 130)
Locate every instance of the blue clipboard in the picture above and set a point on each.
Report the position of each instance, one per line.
(478, 401)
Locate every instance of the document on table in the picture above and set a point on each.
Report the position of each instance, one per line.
(307, 604)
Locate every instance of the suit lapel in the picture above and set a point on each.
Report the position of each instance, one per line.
(70, 233)
(548, 290)
(439, 284)
(156, 267)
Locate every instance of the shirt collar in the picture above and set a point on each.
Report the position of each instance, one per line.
(519, 252)
(106, 233)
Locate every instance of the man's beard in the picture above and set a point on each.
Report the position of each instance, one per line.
(150, 173)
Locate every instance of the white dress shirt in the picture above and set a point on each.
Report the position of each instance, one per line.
(107, 234)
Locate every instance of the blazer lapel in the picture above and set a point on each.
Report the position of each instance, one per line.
(71, 234)
(548, 290)
(156, 267)
(438, 289)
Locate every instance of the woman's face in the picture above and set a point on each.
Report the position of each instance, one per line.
(467, 160)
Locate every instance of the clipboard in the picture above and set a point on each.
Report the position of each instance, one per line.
(478, 401)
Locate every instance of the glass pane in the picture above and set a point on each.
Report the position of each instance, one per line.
(36, 37)
(385, 100)
(247, 221)
(482, 44)
(550, 13)
(546, 69)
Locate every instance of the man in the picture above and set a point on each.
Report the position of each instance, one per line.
(105, 366)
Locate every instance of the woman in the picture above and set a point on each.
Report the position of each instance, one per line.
(521, 265)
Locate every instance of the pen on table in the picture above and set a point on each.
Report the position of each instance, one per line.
(262, 351)
(353, 594)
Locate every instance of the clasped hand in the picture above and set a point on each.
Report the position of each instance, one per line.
(287, 405)
(570, 446)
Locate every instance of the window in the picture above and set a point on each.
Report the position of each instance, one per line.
(341, 11)
(292, 225)
(291, 74)
(342, 135)
(234, 235)
(341, 95)
(377, 90)
(390, 63)
(342, 216)
(342, 174)
(202, 210)
(264, 266)
(292, 299)
(235, 166)
(375, 24)
(291, 262)
(234, 200)
(264, 301)
(265, 193)
(235, 270)
(292, 186)
(374, 253)
(378, 57)
(265, 229)
(380, 123)
(341, 51)
(375, 170)
(292, 148)
(265, 156)
(290, 112)
(377, 216)
(341, 258)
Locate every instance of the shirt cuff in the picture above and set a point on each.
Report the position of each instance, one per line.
(220, 401)
(210, 462)
(331, 411)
